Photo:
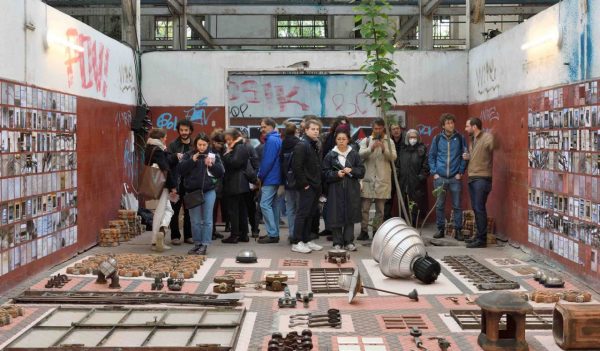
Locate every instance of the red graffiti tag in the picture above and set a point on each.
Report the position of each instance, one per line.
(93, 61)
(286, 99)
(249, 86)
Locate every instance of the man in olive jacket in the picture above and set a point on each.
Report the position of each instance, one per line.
(378, 157)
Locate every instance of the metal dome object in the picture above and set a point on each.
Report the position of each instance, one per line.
(388, 228)
(246, 256)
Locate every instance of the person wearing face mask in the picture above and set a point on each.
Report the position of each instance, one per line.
(413, 170)
(200, 170)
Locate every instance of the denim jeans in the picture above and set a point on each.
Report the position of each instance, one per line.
(291, 207)
(479, 189)
(454, 186)
(202, 219)
(270, 209)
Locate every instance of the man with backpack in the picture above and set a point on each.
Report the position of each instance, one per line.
(269, 174)
(447, 167)
(287, 175)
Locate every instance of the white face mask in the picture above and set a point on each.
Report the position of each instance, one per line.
(412, 141)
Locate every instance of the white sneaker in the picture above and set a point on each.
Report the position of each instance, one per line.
(300, 247)
(337, 247)
(314, 246)
(351, 247)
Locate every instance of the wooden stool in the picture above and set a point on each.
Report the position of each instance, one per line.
(493, 306)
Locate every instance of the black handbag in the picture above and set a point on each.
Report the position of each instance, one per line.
(193, 199)
(196, 197)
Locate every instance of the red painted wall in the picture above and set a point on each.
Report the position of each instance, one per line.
(204, 118)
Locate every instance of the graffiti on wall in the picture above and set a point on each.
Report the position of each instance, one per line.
(127, 78)
(487, 77)
(131, 160)
(489, 114)
(288, 96)
(93, 61)
(578, 36)
(123, 118)
(425, 130)
(199, 114)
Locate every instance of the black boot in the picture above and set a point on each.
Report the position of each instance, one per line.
(232, 239)
(363, 236)
(439, 234)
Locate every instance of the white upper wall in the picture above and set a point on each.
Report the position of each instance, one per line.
(181, 78)
(500, 67)
(77, 59)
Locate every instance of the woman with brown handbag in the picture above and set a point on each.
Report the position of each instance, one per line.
(156, 155)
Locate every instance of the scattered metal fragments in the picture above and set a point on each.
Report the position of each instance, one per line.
(292, 341)
(125, 298)
(331, 319)
(57, 281)
(296, 263)
(479, 275)
(8, 312)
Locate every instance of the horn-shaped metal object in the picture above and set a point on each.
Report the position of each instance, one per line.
(353, 284)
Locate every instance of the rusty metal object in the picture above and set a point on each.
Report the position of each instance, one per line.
(576, 296)
(576, 326)
(479, 275)
(404, 321)
(275, 282)
(545, 296)
(325, 280)
(493, 306)
(470, 319)
(123, 298)
(337, 256)
(295, 263)
(225, 284)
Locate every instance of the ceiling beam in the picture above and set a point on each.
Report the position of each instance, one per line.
(295, 42)
(204, 34)
(291, 9)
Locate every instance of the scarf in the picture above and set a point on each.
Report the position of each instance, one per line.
(342, 156)
(156, 142)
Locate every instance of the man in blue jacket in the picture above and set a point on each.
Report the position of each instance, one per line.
(447, 167)
(269, 174)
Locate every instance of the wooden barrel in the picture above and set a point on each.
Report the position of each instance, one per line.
(576, 326)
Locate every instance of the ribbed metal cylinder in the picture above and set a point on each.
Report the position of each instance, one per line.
(384, 234)
(399, 253)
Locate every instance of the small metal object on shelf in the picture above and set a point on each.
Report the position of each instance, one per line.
(225, 284)
(479, 275)
(325, 280)
(275, 282)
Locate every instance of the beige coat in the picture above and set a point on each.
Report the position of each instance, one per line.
(377, 183)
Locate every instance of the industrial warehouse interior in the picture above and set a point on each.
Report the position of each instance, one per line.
(299, 175)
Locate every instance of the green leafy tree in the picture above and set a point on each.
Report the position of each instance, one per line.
(380, 69)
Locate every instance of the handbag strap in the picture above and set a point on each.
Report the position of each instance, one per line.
(151, 154)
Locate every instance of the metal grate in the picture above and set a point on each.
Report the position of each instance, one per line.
(479, 275)
(133, 328)
(471, 319)
(404, 321)
(296, 263)
(325, 280)
(237, 274)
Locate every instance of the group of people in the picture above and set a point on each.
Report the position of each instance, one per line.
(293, 173)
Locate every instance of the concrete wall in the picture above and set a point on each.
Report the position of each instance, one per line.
(187, 77)
(500, 67)
(99, 71)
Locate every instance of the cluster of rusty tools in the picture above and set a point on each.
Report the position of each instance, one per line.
(57, 281)
(331, 319)
(292, 341)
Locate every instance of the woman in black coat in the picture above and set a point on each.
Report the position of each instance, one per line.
(201, 171)
(413, 170)
(342, 169)
(156, 153)
(236, 185)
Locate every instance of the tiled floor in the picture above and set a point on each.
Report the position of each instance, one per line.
(362, 329)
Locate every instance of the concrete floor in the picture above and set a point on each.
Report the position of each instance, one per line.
(362, 323)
